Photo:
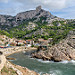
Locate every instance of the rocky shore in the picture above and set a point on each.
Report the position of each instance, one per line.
(65, 50)
(11, 50)
(2, 60)
(18, 69)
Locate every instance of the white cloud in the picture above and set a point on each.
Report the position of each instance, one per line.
(16, 6)
(4, 1)
(52, 4)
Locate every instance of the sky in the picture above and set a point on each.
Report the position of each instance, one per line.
(61, 8)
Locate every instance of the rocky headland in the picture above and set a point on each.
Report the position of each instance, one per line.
(65, 50)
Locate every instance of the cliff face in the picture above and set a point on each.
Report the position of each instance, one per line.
(65, 50)
(7, 21)
(33, 14)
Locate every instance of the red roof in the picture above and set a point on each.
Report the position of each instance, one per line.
(28, 40)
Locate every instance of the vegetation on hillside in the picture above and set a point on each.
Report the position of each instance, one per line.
(3, 32)
(58, 30)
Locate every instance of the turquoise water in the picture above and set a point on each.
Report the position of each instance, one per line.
(40, 66)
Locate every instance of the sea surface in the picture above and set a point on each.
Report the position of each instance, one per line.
(40, 66)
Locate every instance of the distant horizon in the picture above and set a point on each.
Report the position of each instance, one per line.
(60, 8)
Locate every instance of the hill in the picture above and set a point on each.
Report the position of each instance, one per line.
(35, 24)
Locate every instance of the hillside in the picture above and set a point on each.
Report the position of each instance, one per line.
(7, 21)
(57, 30)
(36, 24)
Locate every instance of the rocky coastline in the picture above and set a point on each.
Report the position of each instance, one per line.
(65, 50)
(18, 69)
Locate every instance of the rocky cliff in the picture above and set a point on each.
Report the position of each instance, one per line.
(7, 21)
(65, 50)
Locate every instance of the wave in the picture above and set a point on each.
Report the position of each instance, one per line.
(72, 61)
(63, 62)
(56, 72)
(42, 61)
(66, 62)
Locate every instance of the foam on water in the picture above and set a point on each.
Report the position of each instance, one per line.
(55, 72)
(72, 61)
(64, 62)
(40, 60)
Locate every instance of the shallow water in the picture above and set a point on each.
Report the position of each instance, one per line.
(40, 66)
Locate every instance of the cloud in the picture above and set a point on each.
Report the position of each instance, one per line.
(57, 7)
(50, 4)
(4, 1)
(56, 4)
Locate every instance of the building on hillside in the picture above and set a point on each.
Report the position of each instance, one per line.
(50, 40)
(43, 43)
(12, 44)
(31, 42)
(19, 42)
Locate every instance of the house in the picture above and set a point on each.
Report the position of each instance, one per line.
(73, 37)
(20, 42)
(12, 44)
(50, 40)
(31, 42)
(36, 44)
(43, 44)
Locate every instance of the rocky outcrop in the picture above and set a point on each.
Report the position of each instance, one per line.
(18, 69)
(2, 60)
(58, 52)
(39, 12)
(65, 50)
(7, 21)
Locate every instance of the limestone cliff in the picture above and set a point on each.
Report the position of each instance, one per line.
(7, 21)
(65, 50)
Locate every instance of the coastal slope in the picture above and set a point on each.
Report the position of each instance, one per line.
(64, 50)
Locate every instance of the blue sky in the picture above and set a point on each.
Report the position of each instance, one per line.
(60, 8)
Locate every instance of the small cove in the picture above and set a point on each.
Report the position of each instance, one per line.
(40, 66)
